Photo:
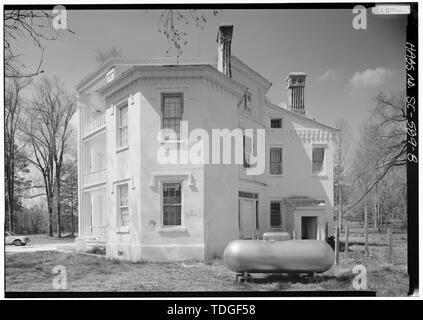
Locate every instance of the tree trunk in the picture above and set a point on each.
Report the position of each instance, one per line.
(10, 182)
(375, 215)
(58, 212)
(366, 233)
(50, 220)
(10, 205)
(72, 221)
(57, 196)
(340, 213)
(50, 213)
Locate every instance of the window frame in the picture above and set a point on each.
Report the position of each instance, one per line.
(162, 224)
(280, 226)
(323, 172)
(119, 140)
(122, 228)
(162, 99)
(280, 123)
(270, 160)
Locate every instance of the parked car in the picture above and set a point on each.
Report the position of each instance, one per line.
(11, 238)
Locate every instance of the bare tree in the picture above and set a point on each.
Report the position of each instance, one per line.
(33, 25)
(172, 22)
(388, 129)
(70, 192)
(390, 116)
(12, 112)
(364, 171)
(342, 156)
(102, 56)
(48, 131)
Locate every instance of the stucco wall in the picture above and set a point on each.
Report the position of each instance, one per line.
(221, 180)
(297, 139)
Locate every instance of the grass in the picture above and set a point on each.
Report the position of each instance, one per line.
(33, 272)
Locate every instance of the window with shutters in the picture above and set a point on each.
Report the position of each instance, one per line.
(172, 109)
(123, 207)
(318, 161)
(171, 203)
(276, 161)
(122, 126)
(275, 214)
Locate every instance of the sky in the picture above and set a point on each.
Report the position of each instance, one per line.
(346, 68)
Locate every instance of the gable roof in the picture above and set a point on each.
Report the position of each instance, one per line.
(299, 116)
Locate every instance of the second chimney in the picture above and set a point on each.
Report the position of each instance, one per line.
(295, 83)
(224, 39)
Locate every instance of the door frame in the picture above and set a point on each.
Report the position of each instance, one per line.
(254, 198)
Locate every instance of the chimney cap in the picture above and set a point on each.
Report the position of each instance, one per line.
(296, 74)
(225, 28)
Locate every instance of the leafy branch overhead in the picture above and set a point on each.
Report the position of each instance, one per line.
(172, 22)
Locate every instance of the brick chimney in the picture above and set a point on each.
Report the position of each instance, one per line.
(224, 39)
(295, 83)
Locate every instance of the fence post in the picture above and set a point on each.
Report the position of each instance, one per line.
(337, 245)
(347, 233)
(389, 233)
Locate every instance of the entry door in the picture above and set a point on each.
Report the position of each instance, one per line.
(247, 218)
(309, 228)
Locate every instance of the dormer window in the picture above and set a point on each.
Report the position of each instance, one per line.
(110, 75)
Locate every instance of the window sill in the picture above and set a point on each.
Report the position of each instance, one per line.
(123, 230)
(320, 176)
(162, 141)
(275, 175)
(178, 229)
(121, 149)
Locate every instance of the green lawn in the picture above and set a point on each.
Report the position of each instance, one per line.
(33, 272)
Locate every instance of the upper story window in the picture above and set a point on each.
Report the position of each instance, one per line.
(276, 161)
(122, 126)
(123, 207)
(276, 123)
(110, 75)
(172, 204)
(275, 214)
(172, 109)
(318, 160)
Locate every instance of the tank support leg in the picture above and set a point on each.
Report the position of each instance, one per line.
(240, 276)
(248, 277)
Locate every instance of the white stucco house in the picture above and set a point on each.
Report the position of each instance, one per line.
(140, 209)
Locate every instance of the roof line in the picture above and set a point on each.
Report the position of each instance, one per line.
(274, 106)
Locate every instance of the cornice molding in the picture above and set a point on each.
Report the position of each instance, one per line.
(183, 73)
(306, 135)
(163, 61)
